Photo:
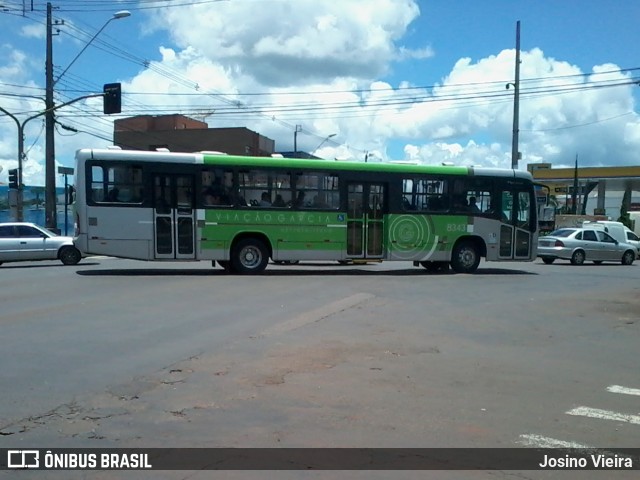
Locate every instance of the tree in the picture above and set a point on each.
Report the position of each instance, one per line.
(624, 214)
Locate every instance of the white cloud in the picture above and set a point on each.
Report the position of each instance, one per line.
(294, 43)
(34, 30)
(293, 50)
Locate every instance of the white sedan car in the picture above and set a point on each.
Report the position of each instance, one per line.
(581, 244)
(22, 241)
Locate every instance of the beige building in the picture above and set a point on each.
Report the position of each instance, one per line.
(183, 134)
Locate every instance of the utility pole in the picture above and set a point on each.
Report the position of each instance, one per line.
(295, 138)
(51, 214)
(574, 195)
(515, 154)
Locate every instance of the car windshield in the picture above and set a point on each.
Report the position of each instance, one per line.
(562, 232)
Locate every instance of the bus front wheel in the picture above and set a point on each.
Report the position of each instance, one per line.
(465, 257)
(250, 255)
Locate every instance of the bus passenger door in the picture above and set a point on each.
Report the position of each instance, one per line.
(366, 205)
(174, 216)
(515, 229)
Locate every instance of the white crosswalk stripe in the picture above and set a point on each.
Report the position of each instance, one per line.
(625, 390)
(540, 441)
(604, 415)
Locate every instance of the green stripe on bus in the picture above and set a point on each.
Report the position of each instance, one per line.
(294, 163)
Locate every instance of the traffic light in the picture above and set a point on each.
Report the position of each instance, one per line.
(112, 98)
(13, 178)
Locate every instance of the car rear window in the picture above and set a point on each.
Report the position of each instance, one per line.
(562, 232)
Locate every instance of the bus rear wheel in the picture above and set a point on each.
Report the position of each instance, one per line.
(249, 256)
(465, 257)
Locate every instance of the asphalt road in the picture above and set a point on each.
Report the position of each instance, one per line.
(131, 354)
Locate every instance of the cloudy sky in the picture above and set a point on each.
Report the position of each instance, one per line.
(421, 80)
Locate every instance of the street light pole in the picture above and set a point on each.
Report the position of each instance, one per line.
(326, 139)
(19, 202)
(116, 16)
(21, 154)
(51, 220)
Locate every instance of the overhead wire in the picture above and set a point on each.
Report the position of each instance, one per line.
(297, 111)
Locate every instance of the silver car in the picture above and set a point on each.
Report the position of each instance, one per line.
(580, 244)
(22, 241)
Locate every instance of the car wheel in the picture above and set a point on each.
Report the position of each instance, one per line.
(578, 257)
(465, 258)
(628, 257)
(69, 255)
(249, 256)
(548, 260)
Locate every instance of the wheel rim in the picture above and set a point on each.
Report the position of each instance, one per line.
(250, 257)
(579, 257)
(467, 257)
(68, 255)
(628, 258)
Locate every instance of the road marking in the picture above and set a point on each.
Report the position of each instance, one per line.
(604, 415)
(545, 442)
(538, 441)
(625, 390)
(319, 313)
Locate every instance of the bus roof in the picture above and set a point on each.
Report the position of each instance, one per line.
(231, 160)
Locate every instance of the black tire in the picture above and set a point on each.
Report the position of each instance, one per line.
(435, 267)
(548, 260)
(465, 257)
(69, 255)
(578, 257)
(226, 265)
(249, 256)
(628, 258)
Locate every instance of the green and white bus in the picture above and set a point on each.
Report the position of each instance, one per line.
(241, 211)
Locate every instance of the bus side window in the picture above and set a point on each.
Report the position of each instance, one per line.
(113, 195)
(97, 184)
